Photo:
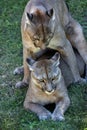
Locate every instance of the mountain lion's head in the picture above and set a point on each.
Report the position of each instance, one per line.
(40, 19)
(45, 73)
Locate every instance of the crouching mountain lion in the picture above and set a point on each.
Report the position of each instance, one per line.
(47, 85)
(48, 23)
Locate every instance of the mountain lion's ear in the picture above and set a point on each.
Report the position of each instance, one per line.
(56, 59)
(49, 12)
(30, 16)
(30, 62)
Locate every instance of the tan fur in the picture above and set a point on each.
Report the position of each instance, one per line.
(66, 72)
(51, 25)
(47, 86)
(47, 73)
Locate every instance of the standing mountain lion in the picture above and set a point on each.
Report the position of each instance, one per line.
(47, 85)
(48, 24)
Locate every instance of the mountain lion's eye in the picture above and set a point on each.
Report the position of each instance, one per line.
(42, 80)
(54, 78)
(36, 38)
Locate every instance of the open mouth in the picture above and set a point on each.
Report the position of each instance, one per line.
(49, 93)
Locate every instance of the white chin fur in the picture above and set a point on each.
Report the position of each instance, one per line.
(49, 93)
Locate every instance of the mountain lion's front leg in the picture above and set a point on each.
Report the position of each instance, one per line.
(41, 112)
(61, 107)
(24, 69)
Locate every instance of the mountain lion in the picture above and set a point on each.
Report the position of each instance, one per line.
(48, 23)
(48, 86)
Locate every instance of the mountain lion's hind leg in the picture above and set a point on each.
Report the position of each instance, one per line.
(75, 35)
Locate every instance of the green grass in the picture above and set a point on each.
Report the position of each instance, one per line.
(12, 114)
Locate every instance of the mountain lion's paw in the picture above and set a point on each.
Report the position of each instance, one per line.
(58, 117)
(81, 80)
(21, 84)
(45, 116)
(18, 70)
